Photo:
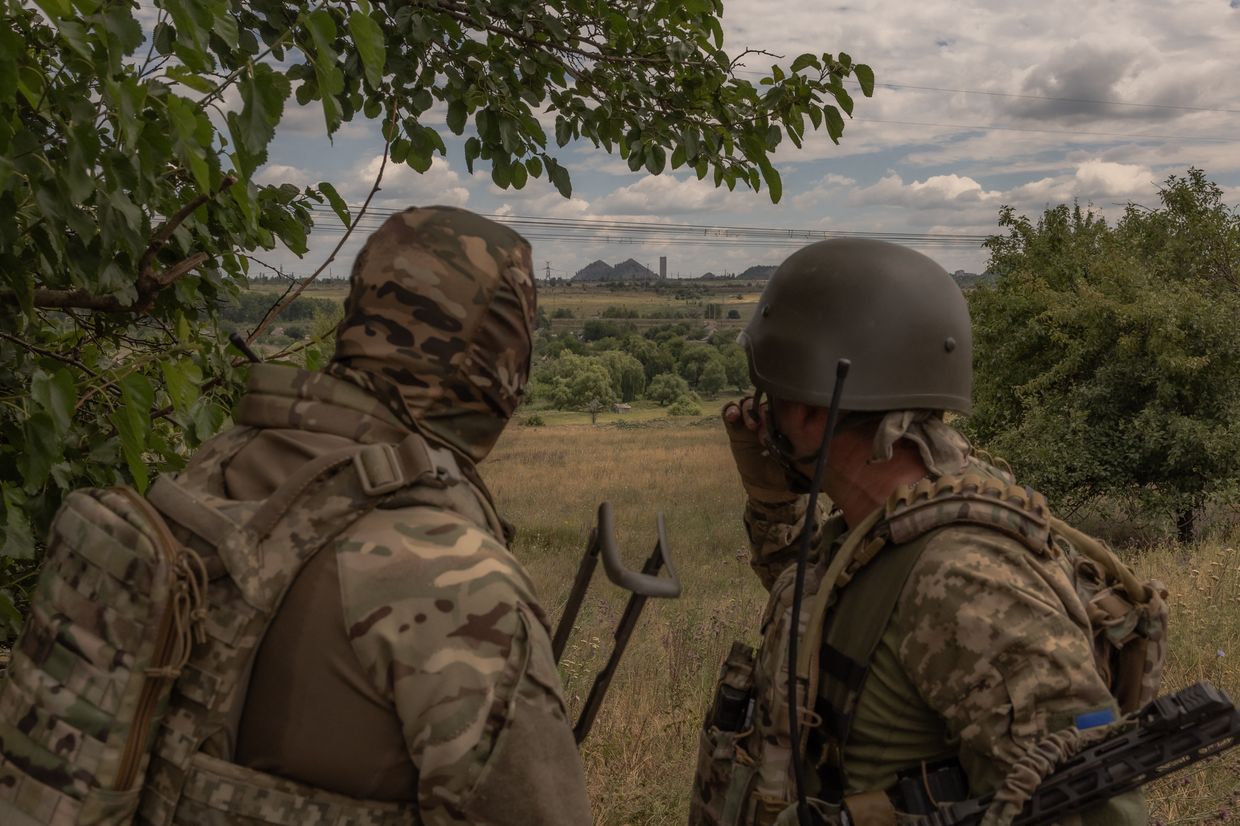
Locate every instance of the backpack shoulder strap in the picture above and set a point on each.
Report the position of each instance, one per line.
(853, 608)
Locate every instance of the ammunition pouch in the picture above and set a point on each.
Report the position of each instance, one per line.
(724, 770)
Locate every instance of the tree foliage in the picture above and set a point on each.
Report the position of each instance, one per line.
(129, 144)
(1107, 357)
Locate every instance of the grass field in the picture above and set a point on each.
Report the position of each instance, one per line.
(640, 756)
(587, 301)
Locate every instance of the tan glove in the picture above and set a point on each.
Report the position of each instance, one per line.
(761, 475)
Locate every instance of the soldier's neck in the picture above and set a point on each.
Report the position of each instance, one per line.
(856, 485)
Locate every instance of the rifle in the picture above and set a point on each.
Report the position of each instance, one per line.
(1171, 733)
(641, 585)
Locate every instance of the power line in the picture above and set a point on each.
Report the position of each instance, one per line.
(605, 230)
(1027, 96)
(964, 127)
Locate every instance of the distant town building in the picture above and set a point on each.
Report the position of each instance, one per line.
(662, 266)
(622, 407)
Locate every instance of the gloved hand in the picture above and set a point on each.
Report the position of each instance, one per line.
(764, 480)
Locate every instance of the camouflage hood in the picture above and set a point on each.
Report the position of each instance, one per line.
(438, 324)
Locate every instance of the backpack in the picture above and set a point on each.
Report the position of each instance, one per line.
(123, 684)
(744, 759)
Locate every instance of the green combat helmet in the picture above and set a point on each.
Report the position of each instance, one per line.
(895, 314)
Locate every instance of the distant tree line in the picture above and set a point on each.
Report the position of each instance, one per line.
(609, 361)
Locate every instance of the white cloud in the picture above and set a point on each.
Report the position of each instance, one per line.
(278, 173)
(1105, 179)
(665, 195)
(937, 190)
(402, 186)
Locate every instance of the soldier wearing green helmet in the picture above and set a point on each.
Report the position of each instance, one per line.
(944, 634)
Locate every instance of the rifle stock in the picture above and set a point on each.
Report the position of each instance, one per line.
(1171, 733)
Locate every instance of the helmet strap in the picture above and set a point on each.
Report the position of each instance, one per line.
(804, 815)
(783, 451)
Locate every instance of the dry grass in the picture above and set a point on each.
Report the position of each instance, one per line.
(589, 301)
(640, 756)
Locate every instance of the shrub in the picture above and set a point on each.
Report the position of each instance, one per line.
(685, 406)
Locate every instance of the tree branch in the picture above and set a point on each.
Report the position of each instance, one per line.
(598, 56)
(34, 348)
(273, 312)
(168, 227)
(148, 283)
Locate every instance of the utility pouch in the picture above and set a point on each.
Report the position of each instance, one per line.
(723, 767)
(733, 701)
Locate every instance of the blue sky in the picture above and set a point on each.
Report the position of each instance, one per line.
(979, 104)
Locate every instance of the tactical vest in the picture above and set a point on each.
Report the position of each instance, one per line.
(179, 725)
(744, 773)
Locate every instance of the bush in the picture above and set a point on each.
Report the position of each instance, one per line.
(668, 388)
(685, 406)
(734, 314)
(532, 420)
(562, 312)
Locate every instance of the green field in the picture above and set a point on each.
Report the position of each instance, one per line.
(549, 480)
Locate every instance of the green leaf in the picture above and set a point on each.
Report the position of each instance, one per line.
(692, 144)
(656, 159)
(368, 37)
(337, 203)
(11, 45)
(263, 92)
(56, 394)
(501, 172)
(534, 166)
(559, 177)
(133, 422)
(183, 379)
(771, 176)
(519, 175)
(473, 148)
(193, 138)
(563, 131)
(835, 122)
(56, 8)
(635, 161)
(457, 116)
(865, 76)
(190, 79)
(773, 136)
(323, 57)
(804, 62)
(41, 450)
(18, 537)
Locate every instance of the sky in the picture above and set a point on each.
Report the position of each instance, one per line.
(978, 105)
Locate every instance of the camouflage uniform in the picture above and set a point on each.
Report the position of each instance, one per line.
(987, 651)
(409, 665)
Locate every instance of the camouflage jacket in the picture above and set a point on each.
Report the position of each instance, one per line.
(411, 658)
(987, 651)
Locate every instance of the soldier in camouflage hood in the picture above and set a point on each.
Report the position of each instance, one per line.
(946, 630)
(406, 676)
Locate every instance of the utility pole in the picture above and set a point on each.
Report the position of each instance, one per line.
(548, 270)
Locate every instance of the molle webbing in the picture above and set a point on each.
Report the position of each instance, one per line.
(262, 546)
(971, 498)
(854, 627)
(856, 617)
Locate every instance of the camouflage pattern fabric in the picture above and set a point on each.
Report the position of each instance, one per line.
(439, 322)
(438, 617)
(448, 626)
(89, 678)
(988, 649)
